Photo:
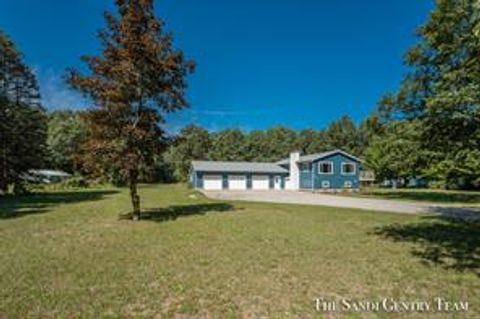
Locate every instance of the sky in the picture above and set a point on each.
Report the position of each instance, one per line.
(259, 63)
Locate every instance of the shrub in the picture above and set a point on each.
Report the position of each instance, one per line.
(75, 181)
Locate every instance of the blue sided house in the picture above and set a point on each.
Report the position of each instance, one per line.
(328, 171)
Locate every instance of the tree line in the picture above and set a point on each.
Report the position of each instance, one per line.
(429, 127)
(270, 145)
(67, 133)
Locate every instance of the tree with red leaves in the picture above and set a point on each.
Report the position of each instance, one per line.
(138, 78)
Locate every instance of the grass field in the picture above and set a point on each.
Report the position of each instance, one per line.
(69, 255)
(471, 198)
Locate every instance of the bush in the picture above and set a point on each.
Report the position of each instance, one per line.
(75, 181)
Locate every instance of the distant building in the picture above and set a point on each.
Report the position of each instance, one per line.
(46, 176)
(417, 181)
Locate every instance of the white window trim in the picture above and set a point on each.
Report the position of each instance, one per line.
(325, 184)
(325, 162)
(348, 186)
(354, 168)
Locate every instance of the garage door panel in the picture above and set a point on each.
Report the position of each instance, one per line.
(212, 182)
(237, 182)
(260, 182)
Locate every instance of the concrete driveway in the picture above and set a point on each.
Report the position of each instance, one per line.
(308, 198)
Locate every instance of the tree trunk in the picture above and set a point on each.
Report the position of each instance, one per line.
(3, 178)
(3, 186)
(135, 199)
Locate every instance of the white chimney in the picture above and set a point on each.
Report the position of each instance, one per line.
(294, 171)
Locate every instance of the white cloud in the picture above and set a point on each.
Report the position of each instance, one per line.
(55, 92)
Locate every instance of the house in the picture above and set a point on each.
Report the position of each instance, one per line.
(334, 170)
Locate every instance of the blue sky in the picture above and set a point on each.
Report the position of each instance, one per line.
(260, 63)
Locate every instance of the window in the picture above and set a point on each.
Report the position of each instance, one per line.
(325, 184)
(348, 184)
(348, 168)
(325, 168)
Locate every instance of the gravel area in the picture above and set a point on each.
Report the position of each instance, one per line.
(308, 198)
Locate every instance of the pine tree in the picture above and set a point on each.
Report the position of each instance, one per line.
(136, 80)
(22, 119)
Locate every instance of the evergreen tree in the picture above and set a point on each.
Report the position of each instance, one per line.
(136, 80)
(22, 119)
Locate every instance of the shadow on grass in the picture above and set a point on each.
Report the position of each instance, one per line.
(17, 206)
(452, 243)
(176, 211)
(429, 196)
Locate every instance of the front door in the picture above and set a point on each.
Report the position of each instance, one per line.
(277, 182)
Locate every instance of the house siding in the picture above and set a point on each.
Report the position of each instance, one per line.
(312, 179)
(306, 176)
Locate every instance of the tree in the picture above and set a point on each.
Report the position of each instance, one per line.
(342, 134)
(442, 88)
(367, 130)
(66, 134)
(228, 145)
(319, 143)
(255, 144)
(304, 141)
(192, 143)
(457, 170)
(136, 80)
(396, 153)
(22, 119)
(280, 141)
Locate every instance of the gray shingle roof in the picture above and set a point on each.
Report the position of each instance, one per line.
(237, 167)
(317, 156)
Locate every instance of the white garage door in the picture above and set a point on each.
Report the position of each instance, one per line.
(213, 182)
(260, 182)
(237, 182)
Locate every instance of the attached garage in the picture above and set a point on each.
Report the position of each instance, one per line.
(212, 182)
(260, 182)
(236, 182)
(211, 175)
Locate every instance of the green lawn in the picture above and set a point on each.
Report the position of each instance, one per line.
(69, 255)
(471, 198)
